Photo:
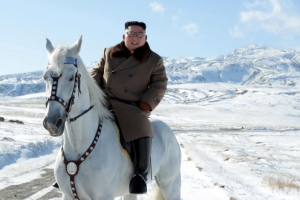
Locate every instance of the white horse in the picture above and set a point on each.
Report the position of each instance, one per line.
(91, 163)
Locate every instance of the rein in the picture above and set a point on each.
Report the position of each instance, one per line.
(75, 118)
(54, 97)
(72, 167)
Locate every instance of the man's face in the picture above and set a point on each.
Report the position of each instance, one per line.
(134, 37)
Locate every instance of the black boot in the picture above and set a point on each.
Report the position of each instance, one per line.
(142, 150)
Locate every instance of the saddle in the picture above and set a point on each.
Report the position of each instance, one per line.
(127, 147)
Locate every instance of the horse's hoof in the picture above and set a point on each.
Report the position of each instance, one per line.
(55, 185)
(138, 185)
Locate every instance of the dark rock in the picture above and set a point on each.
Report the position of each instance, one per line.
(15, 121)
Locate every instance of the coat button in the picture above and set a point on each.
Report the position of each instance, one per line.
(130, 75)
(125, 90)
(113, 71)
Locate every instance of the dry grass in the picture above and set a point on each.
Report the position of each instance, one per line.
(283, 184)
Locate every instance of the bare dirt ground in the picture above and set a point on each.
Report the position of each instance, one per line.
(26, 190)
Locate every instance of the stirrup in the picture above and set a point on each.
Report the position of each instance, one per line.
(138, 185)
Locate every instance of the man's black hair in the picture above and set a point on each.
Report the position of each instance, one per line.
(135, 23)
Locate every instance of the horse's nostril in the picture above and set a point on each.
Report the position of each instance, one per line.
(59, 123)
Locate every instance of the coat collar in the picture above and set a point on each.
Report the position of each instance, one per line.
(141, 53)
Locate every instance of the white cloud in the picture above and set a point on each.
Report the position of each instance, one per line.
(236, 32)
(157, 7)
(175, 18)
(191, 29)
(277, 20)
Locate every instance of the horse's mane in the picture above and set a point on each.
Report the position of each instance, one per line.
(97, 97)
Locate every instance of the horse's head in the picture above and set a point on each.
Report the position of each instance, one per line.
(62, 85)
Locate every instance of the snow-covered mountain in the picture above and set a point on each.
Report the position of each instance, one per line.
(249, 65)
(236, 118)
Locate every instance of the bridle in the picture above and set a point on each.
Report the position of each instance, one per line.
(54, 97)
(72, 167)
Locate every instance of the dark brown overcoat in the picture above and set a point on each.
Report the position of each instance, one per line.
(128, 78)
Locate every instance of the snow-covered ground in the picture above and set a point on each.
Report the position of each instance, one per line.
(236, 117)
(239, 142)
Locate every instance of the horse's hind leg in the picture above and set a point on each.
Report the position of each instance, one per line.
(130, 197)
(170, 186)
(169, 178)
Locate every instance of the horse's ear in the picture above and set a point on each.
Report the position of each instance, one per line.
(49, 46)
(75, 49)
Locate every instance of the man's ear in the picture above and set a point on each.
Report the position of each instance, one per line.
(146, 37)
(123, 36)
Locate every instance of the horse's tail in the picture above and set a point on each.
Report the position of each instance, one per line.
(155, 194)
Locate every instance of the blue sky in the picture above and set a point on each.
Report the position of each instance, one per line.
(175, 28)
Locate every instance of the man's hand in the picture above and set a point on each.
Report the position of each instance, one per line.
(144, 106)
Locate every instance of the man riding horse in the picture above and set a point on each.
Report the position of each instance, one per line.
(134, 80)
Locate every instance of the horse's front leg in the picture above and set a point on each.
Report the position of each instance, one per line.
(67, 197)
(108, 197)
(130, 197)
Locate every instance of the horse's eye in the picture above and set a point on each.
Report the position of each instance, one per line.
(72, 78)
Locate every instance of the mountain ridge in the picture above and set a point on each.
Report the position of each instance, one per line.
(253, 64)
